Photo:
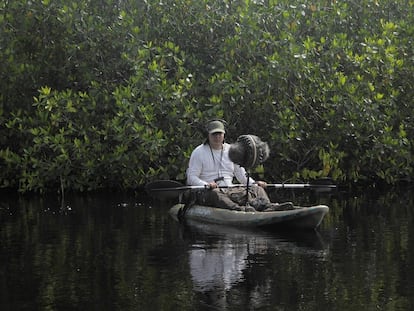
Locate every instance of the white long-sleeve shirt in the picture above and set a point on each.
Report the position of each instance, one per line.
(207, 164)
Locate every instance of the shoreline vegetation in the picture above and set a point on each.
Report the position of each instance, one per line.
(114, 94)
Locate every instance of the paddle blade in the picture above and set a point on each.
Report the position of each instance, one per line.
(325, 184)
(164, 189)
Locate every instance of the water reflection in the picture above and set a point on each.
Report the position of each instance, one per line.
(222, 258)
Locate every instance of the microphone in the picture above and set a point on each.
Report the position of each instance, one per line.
(249, 151)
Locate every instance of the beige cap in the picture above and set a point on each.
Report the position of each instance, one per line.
(215, 127)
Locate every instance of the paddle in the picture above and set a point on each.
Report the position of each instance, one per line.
(169, 189)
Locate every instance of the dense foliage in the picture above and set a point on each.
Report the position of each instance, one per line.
(97, 94)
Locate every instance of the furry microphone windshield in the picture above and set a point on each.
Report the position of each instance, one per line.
(249, 151)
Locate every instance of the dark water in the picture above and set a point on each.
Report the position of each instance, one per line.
(124, 252)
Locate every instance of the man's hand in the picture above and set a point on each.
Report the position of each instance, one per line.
(261, 183)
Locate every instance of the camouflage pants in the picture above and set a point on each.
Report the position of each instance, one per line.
(232, 198)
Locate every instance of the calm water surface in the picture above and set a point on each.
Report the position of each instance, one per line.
(124, 252)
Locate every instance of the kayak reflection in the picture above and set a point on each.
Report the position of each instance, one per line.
(219, 255)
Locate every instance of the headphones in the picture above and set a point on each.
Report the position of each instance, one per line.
(206, 128)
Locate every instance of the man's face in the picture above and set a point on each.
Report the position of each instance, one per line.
(216, 139)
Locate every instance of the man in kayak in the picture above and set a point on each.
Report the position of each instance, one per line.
(211, 166)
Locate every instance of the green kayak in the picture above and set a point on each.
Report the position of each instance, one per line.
(299, 218)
